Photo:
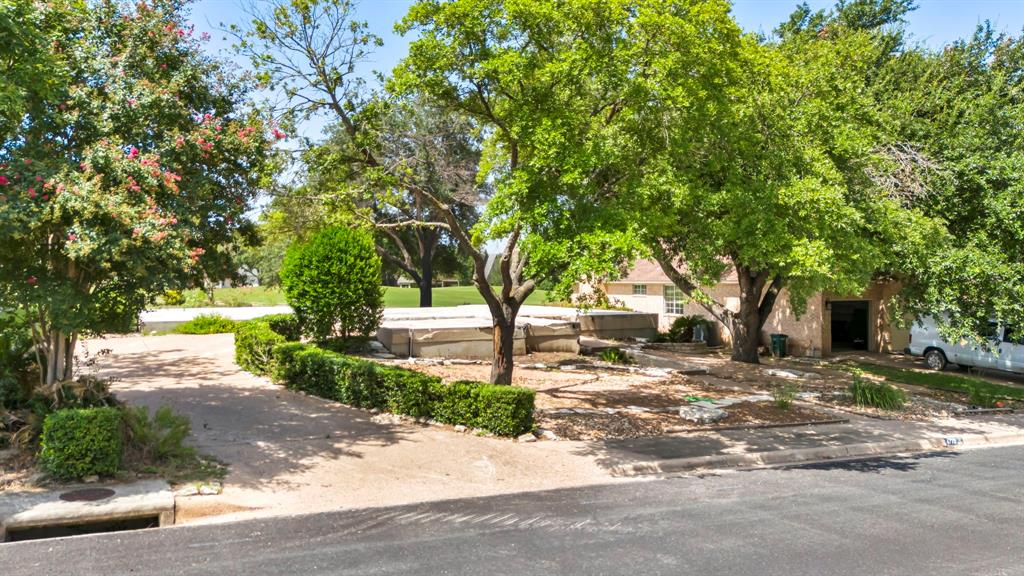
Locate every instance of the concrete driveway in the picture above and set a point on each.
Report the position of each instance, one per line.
(292, 453)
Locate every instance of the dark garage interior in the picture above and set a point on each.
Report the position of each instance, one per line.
(849, 325)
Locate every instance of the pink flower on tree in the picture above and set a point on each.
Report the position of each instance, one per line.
(72, 237)
(31, 192)
(133, 153)
(4, 181)
(279, 135)
(32, 280)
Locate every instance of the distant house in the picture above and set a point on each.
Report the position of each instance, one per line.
(832, 323)
(405, 282)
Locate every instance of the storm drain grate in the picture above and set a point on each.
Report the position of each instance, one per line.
(87, 495)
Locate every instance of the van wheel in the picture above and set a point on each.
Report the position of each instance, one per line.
(935, 359)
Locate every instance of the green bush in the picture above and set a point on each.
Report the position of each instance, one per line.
(172, 298)
(207, 324)
(615, 356)
(282, 364)
(254, 346)
(333, 282)
(878, 395)
(157, 440)
(407, 391)
(16, 363)
(505, 410)
(286, 325)
(455, 403)
(82, 442)
(784, 396)
(682, 329)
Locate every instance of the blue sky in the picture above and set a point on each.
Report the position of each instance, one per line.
(935, 22)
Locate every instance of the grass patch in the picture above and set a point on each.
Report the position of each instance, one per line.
(448, 296)
(939, 381)
(393, 297)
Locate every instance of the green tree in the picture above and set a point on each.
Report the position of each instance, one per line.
(332, 282)
(780, 183)
(956, 117)
(129, 176)
(439, 151)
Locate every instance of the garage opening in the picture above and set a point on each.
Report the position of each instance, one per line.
(849, 325)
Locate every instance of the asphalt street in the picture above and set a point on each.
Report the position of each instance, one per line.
(944, 514)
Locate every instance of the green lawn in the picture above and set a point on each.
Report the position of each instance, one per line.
(393, 297)
(943, 381)
(450, 296)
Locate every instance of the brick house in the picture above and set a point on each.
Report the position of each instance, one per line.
(831, 323)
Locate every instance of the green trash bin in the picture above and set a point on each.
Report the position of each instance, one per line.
(779, 345)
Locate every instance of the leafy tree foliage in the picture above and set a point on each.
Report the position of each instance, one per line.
(956, 117)
(131, 172)
(332, 282)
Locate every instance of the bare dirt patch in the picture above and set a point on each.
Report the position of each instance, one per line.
(624, 393)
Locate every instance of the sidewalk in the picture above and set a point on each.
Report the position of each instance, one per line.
(289, 453)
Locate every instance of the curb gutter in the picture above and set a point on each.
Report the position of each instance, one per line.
(817, 454)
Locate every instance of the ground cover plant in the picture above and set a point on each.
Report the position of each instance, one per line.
(974, 387)
(206, 324)
(877, 394)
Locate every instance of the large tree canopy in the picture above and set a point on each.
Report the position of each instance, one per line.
(131, 172)
(957, 117)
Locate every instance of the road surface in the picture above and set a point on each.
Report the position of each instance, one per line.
(945, 514)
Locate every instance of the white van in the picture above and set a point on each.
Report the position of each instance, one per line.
(1003, 348)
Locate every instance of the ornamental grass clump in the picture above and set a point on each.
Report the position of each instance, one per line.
(877, 395)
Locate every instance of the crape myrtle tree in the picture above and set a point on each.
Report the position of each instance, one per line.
(552, 90)
(125, 177)
(782, 186)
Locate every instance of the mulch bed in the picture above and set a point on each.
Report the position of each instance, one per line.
(639, 425)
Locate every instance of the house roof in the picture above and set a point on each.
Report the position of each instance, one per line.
(649, 272)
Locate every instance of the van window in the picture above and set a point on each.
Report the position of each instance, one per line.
(1012, 335)
(991, 333)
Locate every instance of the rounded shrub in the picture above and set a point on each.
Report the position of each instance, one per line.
(82, 442)
(333, 283)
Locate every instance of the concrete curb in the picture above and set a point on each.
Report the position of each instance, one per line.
(817, 454)
(145, 499)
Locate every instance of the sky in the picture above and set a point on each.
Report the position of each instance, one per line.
(935, 23)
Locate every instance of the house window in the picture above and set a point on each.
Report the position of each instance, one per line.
(639, 289)
(674, 300)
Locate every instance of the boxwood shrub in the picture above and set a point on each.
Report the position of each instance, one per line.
(82, 442)
(254, 345)
(504, 410)
(255, 340)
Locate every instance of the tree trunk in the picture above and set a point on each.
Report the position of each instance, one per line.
(427, 276)
(746, 324)
(504, 339)
(746, 333)
(60, 355)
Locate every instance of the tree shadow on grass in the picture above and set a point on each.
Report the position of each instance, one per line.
(265, 433)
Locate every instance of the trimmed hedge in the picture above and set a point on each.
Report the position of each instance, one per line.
(286, 325)
(82, 442)
(504, 410)
(255, 340)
